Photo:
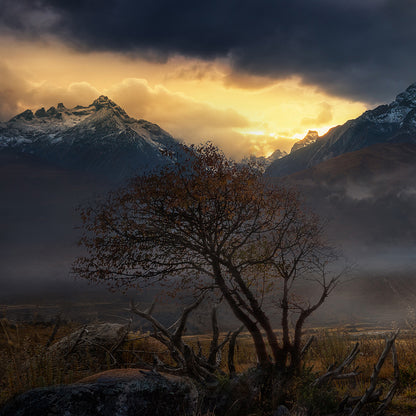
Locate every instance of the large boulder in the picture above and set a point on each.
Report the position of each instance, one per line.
(96, 339)
(125, 392)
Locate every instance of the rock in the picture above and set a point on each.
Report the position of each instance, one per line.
(311, 137)
(281, 411)
(301, 411)
(125, 392)
(41, 113)
(26, 115)
(96, 339)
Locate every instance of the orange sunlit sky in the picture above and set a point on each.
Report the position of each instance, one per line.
(251, 76)
(193, 99)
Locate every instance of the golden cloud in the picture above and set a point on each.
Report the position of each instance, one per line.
(193, 99)
(324, 117)
(180, 115)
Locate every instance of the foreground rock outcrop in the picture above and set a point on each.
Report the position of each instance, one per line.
(98, 340)
(125, 392)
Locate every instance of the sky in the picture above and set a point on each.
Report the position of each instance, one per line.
(251, 76)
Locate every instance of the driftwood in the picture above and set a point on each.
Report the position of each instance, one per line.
(348, 402)
(394, 386)
(336, 373)
(374, 378)
(371, 395)
(195, 365)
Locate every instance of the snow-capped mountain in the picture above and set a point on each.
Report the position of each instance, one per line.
(100, 138)
(390, 123)
(311, 137)
(277, 154)
(264, 161)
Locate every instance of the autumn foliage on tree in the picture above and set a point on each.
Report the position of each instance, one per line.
(210, 224)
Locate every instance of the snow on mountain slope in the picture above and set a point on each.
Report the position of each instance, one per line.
(311, 137)
(390, 123)
(99, 138)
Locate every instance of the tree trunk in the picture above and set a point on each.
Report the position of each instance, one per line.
(251, 326)
(257, 312)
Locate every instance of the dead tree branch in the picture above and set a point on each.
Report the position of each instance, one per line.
(337, 373)
(195, 365)
(54, 332)
(77, 341)
(348, 402)
(374, 377)
(395, 385)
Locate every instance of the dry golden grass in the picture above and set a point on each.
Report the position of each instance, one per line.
(24, 365)
(332, 346)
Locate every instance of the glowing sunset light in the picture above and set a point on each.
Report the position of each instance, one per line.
(244, 94)
(193, 99)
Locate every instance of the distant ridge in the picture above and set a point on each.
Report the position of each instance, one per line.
(389, 123)
(100, 138)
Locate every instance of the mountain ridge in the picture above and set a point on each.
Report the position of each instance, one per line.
(100, 138)
(387, 123)
(310, 137)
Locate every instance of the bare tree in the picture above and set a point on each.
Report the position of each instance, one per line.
(208, 223)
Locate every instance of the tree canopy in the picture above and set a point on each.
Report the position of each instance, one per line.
(217, 226)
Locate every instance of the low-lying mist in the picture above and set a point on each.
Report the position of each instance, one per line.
(39, 232)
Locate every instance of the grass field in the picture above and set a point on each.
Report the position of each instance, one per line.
(25, 365)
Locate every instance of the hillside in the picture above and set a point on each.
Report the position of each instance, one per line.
(390, 123)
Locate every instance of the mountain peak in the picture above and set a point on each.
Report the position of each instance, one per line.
(26, 115)
(103, 101)
(99, 138)
(311, 137)
(407, 97)
(387, 123)
(41, 112)
(277, 154)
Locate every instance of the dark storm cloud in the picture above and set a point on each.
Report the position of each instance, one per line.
(361, 49)
(26, 17)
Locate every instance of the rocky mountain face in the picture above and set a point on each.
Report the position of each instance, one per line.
(359, 177)
(263, 161)
(100, 138)
(390, 123)
(277, 154)
(311, 137)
